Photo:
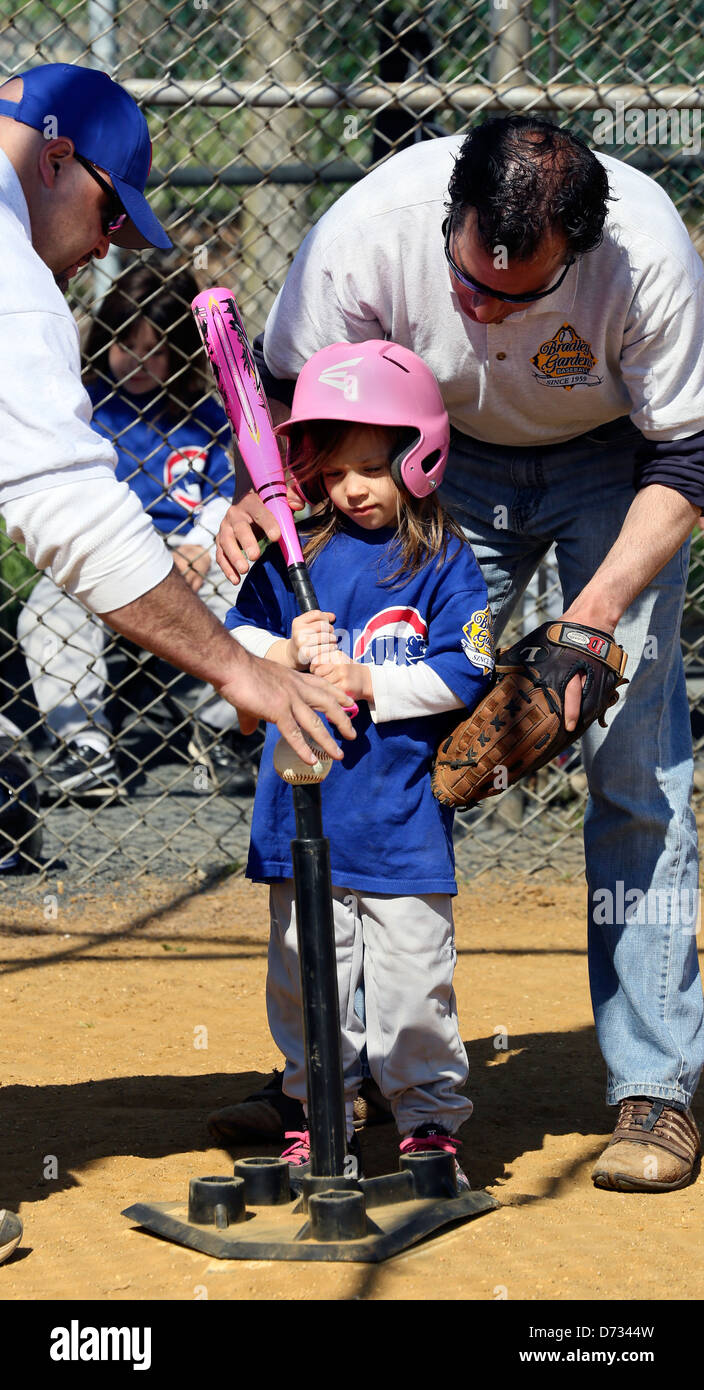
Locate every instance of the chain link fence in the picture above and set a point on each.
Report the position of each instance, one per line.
(261, 115)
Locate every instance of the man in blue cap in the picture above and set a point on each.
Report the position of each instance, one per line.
(74, 158)
(94, 158)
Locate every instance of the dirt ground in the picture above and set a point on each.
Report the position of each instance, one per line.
(127, 1018)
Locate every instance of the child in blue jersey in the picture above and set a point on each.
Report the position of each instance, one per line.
(145, 381)
(404, 628)
(171, 441)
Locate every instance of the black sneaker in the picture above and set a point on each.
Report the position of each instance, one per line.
(82, 774)
(227, 772)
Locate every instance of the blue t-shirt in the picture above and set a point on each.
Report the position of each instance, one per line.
(387, 832)
(173, 465)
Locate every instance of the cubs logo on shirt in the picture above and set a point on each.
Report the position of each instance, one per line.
(181, 488)
(565, 360)
(477, 641)
(397, 634)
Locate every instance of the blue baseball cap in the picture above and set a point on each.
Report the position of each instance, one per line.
(107, 128)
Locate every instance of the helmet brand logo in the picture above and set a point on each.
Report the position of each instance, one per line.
(342, 380)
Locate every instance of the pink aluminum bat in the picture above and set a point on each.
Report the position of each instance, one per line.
(242, 394)
(237, 379)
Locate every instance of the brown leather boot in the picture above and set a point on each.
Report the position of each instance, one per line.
(654, 1148)
(266, 1114)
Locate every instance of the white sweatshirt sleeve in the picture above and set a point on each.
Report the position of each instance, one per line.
(58, 492)
(46, 412)
(94, 539)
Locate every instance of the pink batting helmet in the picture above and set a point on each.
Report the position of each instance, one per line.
(379, 383)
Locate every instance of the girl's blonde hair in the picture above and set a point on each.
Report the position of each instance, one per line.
(424, 529)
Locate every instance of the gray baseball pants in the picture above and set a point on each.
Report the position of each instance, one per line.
(404, 949)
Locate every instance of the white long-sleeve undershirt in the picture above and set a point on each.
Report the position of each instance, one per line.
(400, 692)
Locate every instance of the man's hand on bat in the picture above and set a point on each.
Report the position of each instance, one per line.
(242, 527)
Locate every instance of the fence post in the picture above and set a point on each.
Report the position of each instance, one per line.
(511, 47)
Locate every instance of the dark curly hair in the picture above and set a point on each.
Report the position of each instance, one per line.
(525, 177)
(163, 299)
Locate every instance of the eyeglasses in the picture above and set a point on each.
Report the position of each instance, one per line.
(113, 217)
(479, 288)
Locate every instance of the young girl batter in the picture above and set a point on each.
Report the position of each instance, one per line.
(404, 628)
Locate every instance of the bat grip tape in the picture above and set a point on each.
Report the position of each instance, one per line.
(302, 586)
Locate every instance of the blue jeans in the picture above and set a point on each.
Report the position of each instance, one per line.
(639, 831)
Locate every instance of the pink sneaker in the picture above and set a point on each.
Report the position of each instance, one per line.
(297, 1154)
(426, 1138)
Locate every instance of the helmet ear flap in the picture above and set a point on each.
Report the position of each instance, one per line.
(395, 466)
(402, 448)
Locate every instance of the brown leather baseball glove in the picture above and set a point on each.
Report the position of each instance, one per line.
(519, 725)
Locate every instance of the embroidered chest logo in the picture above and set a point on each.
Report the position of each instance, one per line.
(566, 360)
(395, 634)
(190, 459)
(477, 641)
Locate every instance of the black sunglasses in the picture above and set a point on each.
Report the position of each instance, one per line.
(479, 288)
(113, 217)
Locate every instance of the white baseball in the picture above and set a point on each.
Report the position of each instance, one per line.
(292, 768)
